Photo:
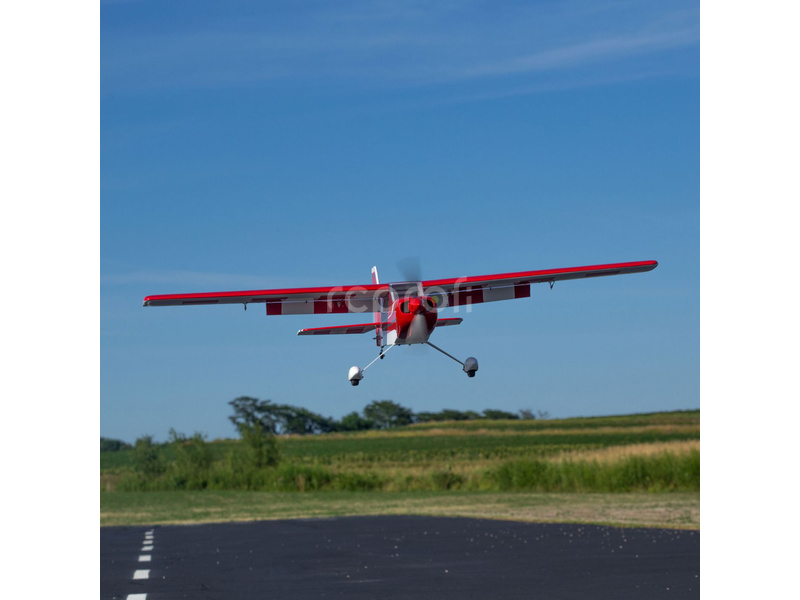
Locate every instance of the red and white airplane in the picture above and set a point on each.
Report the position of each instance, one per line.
(405, 312)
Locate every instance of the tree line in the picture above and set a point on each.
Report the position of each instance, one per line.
(255, 419)
(282, 419)
(251, 465)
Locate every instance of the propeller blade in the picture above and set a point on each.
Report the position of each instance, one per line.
(410, 268)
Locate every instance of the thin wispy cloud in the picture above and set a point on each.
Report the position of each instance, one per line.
(586, 52)
(357, 45)
(544, 88)
(208, 281)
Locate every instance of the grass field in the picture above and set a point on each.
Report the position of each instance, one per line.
(468, 440)
(680, 510)
(634, 469)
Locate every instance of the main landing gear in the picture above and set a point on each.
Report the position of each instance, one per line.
(356, 374)
(469, 366)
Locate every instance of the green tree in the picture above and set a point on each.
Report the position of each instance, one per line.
(192, 460)
(355, 422)
(112, 445)
(278, 418)
(447, 414)
(147, 459)
(250, 411)
(295, 419)
(260, 448)
(386, 414)
(490, 413)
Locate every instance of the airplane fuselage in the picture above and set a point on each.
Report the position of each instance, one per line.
(414, 320)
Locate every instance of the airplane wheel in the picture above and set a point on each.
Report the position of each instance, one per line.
(355, 375)
(471, 366)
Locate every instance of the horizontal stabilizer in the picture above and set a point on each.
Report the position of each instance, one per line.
(340, 329)
(365, 327)
(445, 322)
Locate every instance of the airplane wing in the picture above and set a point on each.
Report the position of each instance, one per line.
(291, 301)
(370, 298)
(507, 286)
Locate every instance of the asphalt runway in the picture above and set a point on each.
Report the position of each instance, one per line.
(383, 558)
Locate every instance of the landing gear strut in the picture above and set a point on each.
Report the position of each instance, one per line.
(356, 374)
(470, 365)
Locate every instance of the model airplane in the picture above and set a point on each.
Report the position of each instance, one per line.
(405, 312)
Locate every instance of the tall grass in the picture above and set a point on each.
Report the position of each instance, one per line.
(662, 472)
(620, 454)
(665, 471)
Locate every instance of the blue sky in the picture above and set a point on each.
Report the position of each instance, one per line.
(258, 145)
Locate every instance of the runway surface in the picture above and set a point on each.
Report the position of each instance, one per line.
(397, 557)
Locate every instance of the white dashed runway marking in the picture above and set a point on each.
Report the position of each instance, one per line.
(147, 546)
